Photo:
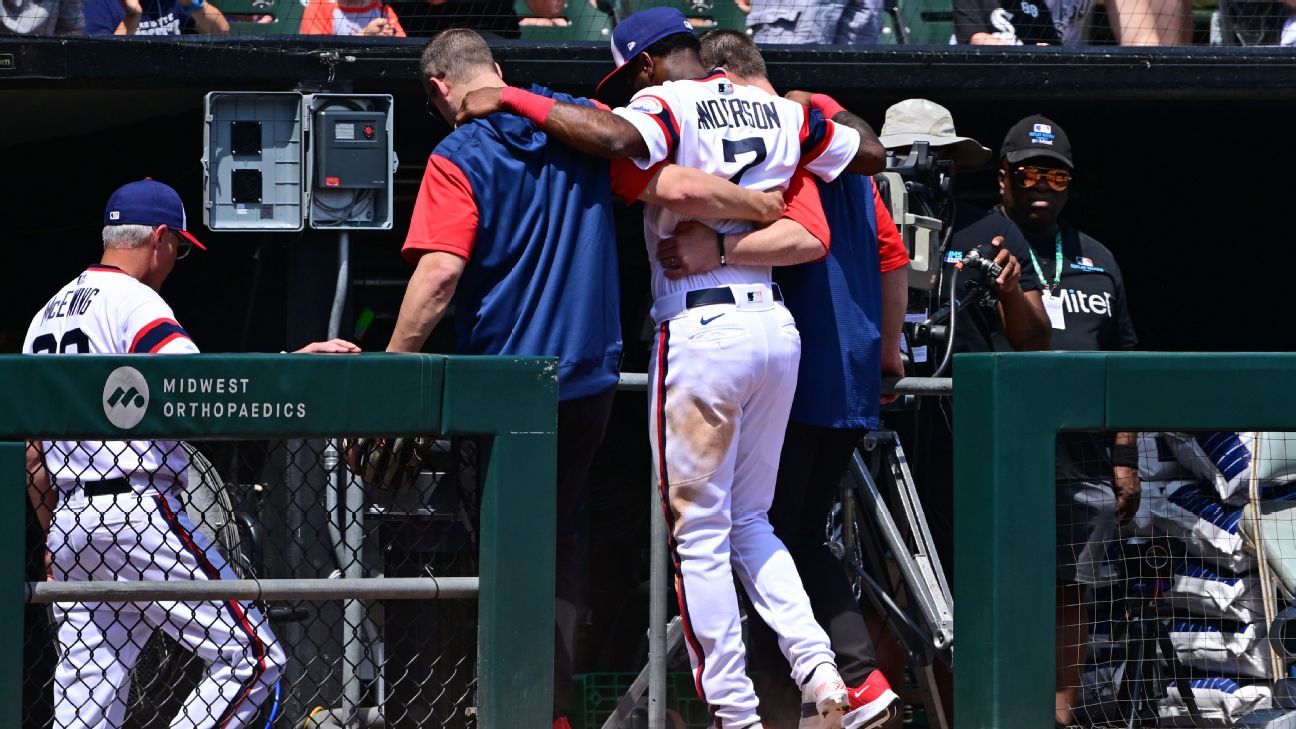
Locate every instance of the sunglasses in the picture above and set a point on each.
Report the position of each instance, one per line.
(1026, 177)
(183, 246)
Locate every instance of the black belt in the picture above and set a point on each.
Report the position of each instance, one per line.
(718, 295)
(111, 487)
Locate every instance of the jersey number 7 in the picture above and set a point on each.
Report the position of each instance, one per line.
(733, 149)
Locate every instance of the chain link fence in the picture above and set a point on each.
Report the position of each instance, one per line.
(250, 510)
(1167, 603)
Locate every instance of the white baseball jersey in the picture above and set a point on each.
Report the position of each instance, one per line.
(107, 311)
(740, 133)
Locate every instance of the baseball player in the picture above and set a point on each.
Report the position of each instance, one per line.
(725, 362)
(112, 509)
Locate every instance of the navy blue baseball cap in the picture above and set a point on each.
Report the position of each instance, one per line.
(149, 202)
(636, 33)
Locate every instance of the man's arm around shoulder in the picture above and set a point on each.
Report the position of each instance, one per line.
(592, 130)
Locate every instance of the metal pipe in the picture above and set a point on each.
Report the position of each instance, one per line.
(918, 385)
(638, 381)
(348, 542)
(658, 577)
(386, 588)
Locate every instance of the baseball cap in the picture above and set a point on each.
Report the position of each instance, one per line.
(149, 202)
(635, 34)
(920, 120)
(1036, 136)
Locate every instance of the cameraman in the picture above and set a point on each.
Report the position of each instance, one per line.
(1097, 480)
(1019, 321)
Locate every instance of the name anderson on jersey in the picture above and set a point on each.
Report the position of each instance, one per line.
(717, 113)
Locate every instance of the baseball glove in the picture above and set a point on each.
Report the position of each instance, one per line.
(391, 464)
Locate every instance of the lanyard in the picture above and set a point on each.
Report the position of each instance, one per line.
(1057, 267)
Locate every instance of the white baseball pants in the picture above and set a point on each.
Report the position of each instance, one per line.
(149, 537)
(721, 389)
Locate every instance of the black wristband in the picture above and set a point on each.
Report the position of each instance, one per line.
(1124, 454)
(720, 247)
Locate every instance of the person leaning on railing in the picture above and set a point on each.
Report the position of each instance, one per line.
(153, 17)
(112, 510)
(1084, 294)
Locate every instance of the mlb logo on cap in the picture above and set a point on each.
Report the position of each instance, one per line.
(1043, 129)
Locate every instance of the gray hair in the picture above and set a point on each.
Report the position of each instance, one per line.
(456, 55)
(126, 236)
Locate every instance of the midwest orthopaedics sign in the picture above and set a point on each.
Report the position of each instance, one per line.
(128, 397)
(222, 397)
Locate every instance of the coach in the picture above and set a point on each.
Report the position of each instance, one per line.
(519, 233)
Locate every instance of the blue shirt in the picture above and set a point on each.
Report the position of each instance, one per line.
(533, 219)
(837, 303)
(161, 17)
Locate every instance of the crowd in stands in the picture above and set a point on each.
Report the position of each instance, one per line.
(824, 22)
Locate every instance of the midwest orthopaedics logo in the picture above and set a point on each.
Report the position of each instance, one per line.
(125, 397)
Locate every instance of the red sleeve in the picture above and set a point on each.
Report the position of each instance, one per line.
(891, 250)
(805, 207)
(629, 182)
(445, 213)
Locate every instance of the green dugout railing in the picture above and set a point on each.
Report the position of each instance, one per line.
(512, 400)
(1008, 411)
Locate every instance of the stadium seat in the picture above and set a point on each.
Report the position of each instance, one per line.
(929, 22)
(262, 17)
(584, 23)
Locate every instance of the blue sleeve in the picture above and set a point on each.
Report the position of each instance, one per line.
(102, 16)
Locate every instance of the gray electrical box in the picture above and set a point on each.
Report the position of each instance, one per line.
(352, 161)
(279, 160)
(253, 161)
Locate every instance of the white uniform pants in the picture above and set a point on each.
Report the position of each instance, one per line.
(721, 389)
(133, 537)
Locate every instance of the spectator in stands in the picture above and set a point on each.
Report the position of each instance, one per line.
(351, 17)
(849, 308)
(820, 22)
(153, 17)
(1084, 294)
(42, 17)
(1021, 22)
